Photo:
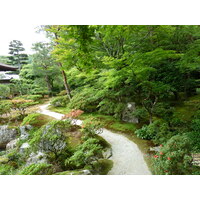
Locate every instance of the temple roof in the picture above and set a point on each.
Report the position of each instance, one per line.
(4, 67)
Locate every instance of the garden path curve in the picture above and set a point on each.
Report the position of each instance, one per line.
(126, 156)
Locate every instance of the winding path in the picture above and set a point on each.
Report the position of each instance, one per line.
(126, 156)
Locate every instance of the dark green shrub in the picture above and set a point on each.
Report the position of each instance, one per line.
(60, 101)
(84, 100)
(158, 131)
(86, 153)
(109, 107)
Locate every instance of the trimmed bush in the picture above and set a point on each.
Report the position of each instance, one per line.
(36, 120)
(60, 101)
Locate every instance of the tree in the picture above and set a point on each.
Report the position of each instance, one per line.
(17, 58)
(43, 64)
(4, 59)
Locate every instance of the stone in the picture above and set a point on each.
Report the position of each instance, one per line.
(86, 172)
(24, 146)
(156, 149)
(24, 131)
(7, 134)
(108, 153)
(36, 158)
(127, 115)
(12, 144)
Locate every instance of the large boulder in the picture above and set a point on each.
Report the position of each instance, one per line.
(127, 115)
(6, 135)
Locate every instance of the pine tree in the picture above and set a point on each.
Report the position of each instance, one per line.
(17, 58)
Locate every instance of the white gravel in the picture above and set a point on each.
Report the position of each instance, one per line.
(126, 156)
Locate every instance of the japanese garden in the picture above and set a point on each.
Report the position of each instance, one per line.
(102, 100)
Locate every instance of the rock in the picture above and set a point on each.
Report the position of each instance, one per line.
(24, 147)
(86, 172)
(23, 131)
(75, 172)
(156, 149)
(127, 115)
(107, 154)
(36, 158)
(6, 135)
(12, 144)
(47, 145)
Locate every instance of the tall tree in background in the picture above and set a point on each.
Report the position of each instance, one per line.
(17, 57)
(43, 64)
(4, 59)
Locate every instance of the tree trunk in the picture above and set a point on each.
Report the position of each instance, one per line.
(48, 85)
(150, 118)
(66, 84)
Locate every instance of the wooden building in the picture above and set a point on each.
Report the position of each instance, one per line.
(5, 68)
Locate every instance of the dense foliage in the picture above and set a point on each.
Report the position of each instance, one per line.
(100, 69)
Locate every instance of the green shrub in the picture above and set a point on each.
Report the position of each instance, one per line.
(91, 127)
(62, 93)
(109, 107)
(4, 91)
(37, 169)
(60, 101)
(5, 107)
(158, 131)
(51, 138)
(194, 135)
(174, 157)
(34, 97)
(86, 153)
(6, 169)
(36, 120)
(84, 100)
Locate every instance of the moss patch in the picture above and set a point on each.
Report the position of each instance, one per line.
(36, 120)
(185, 110)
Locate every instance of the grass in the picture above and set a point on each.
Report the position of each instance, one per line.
(185, 110)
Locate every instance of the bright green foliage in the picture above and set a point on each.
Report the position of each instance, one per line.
(84, 100)
(37, 169)
(6, 169)
(5, 107)
(33, 97)
(60, 101)
(51, 138)
(86, 153)
(4, 91)
(174, 157)
(153, 131)
(36, 120)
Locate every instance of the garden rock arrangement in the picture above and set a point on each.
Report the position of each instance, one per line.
(56, 147)
(128, 113)
(6, 135)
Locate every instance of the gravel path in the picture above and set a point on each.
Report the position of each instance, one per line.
(126, 156)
